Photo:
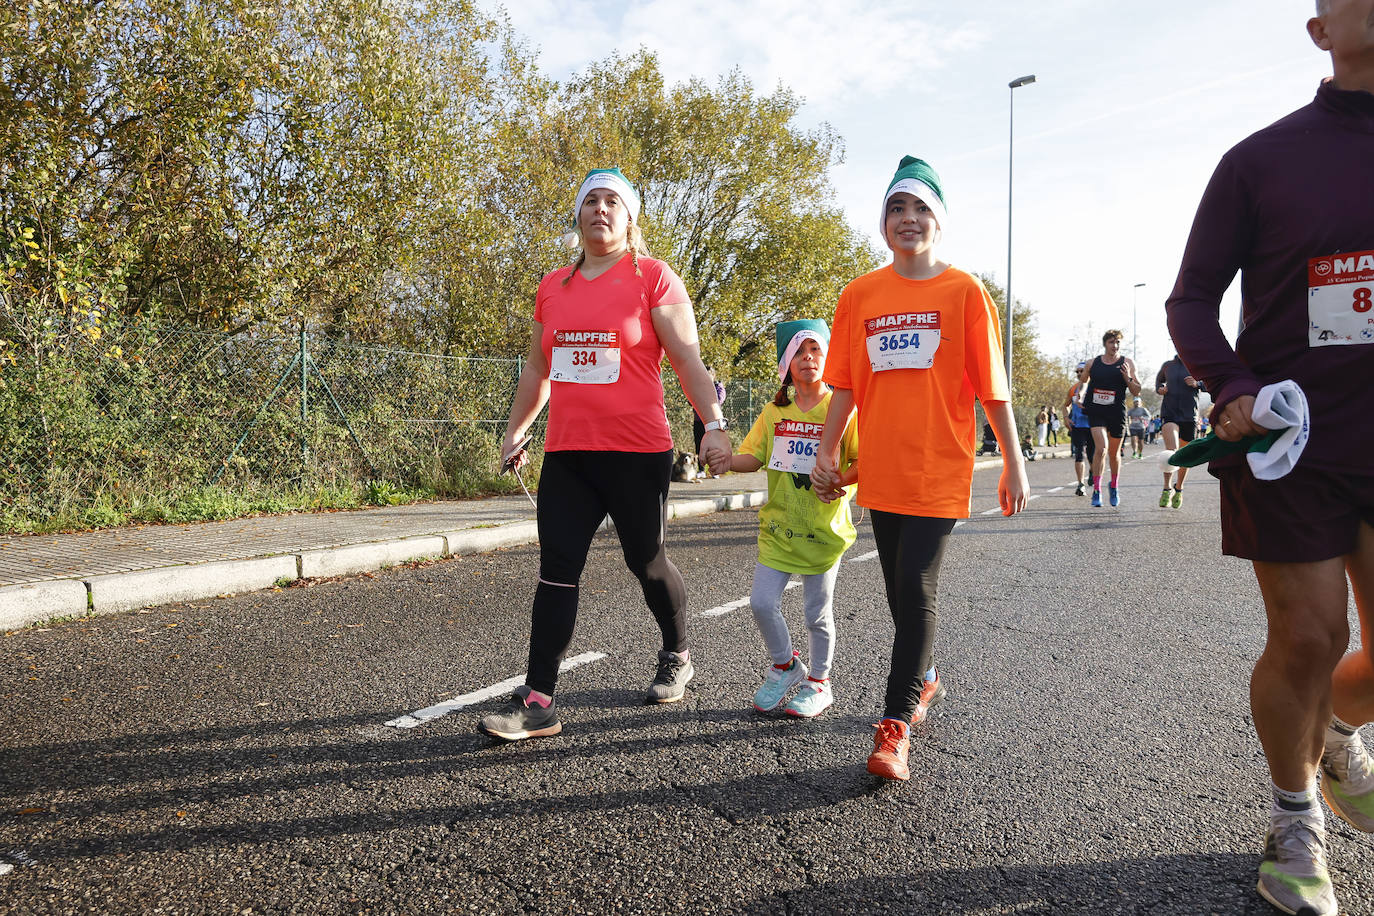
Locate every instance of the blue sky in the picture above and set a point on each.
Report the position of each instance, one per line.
(1134, 104)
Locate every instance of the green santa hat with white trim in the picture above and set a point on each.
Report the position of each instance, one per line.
(917, 177)
(614, 180)
(790, 337)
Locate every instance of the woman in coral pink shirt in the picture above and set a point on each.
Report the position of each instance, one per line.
(601, 328)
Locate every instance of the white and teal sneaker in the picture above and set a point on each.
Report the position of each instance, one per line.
(1293, 875)
(776, 682)
(1348, 784)
(813, 699)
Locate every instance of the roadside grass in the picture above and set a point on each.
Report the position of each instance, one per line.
(152, 502)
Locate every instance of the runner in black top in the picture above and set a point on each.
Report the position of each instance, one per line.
(1178, 410)
(1108, 378)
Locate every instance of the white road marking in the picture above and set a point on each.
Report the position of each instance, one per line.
(1056, 489)
(864, 556)
(991, 511)
(430, 713)
(726, 608)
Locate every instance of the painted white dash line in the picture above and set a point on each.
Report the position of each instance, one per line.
(864, 556)
(726, 608)
(1035, 496)
(740, 602)
(994, 510)
(1056, 489)
(430, 713)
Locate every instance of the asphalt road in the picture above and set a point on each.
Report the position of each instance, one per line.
(1094, 755)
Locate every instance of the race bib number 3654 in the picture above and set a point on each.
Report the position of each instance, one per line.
(906, 340)
(794, 446)
(585, 357)
(1340, 299)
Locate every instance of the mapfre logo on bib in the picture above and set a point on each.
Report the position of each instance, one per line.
(907, 321)
(586, 339)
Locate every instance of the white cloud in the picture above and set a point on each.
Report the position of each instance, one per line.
(870, 47)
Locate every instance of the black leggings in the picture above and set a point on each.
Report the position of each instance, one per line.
(577, 490)
(910, 548)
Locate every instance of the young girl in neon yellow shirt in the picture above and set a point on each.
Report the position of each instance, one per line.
(798, 533)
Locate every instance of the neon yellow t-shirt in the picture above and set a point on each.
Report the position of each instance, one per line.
(797, 532)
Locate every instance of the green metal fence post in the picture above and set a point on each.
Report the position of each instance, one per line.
(305, 383)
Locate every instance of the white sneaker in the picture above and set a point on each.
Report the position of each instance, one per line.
(1293, 875)
(1348, 784)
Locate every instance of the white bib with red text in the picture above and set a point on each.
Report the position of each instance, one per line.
(585, 357)
(1103, 397)
(906, 340)
(794, 446)
(1340, 299)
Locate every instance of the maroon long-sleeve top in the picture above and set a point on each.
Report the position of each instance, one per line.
(1292, 208)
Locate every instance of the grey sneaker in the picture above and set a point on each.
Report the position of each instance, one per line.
(521, 719)
(1348, 784)
(1293, 875)
(674, 672)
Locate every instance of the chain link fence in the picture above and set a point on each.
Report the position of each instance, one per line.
(97, 425)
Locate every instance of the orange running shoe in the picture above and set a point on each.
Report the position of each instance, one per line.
(890, 746)
(932, 692)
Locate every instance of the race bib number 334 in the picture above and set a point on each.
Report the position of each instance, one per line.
(794, 446)
(907, 340)
(1340, 299)
(585, 357)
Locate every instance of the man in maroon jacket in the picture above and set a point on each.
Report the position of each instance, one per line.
(1292, 209)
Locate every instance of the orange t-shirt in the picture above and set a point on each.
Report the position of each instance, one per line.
(916, 353)
(605, 359)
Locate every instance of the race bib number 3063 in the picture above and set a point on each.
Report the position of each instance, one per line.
(794, 446)
(903, 341)
(1340, 299)
(585, 357)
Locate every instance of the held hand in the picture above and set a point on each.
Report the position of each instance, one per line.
(1013, 487)
(825, 478)
(1162, 389)
(716, 451)
(1235, 421)
(827, 496)
(513, 451)
(1190, 382)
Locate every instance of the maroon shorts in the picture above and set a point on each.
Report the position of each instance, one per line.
(1303, 517)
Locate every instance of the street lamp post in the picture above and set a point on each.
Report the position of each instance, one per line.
(1011, 136)
(1135, 327)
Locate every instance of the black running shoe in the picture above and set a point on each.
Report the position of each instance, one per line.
(674, 671)
(521, 719)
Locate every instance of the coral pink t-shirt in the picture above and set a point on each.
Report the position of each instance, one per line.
(604, 357)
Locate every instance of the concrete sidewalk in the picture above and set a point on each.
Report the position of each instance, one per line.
(43, 577)
(62, 575)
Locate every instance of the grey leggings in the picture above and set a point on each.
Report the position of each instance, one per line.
(817, 590)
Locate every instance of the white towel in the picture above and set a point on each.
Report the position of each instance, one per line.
(1281, 405)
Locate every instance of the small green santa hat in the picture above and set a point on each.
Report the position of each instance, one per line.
(616, 181)
(915, 176)
(790, 337)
